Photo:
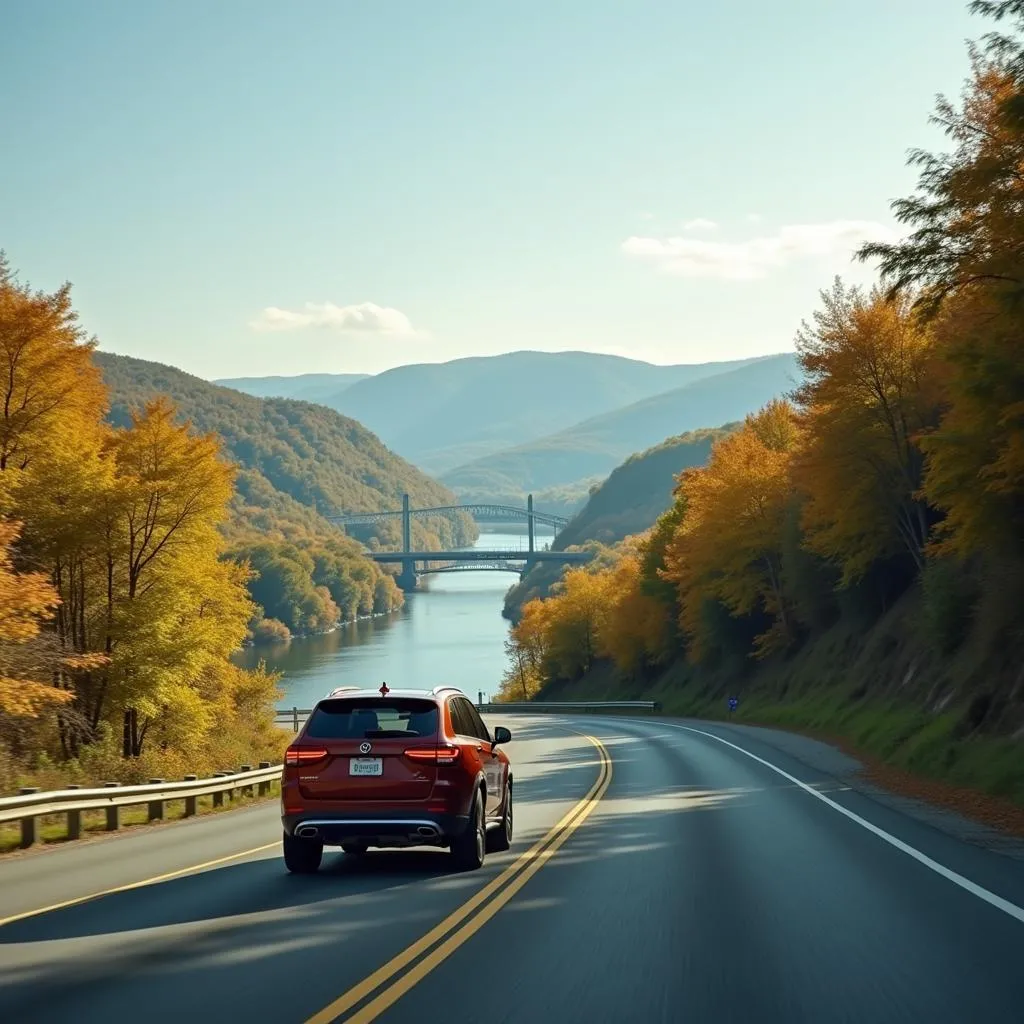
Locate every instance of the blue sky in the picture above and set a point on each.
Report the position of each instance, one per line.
(257, 187)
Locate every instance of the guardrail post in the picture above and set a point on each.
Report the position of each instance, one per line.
(295, 718)
(156, 807)
(113, 812)
(29, 830)
(74, 817)
(246, 790)
(264, 787)
(190, 801)
(218, 797)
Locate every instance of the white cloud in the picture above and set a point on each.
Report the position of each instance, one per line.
(755, 257)
(755, 218)
(699, 224)
(364, 318)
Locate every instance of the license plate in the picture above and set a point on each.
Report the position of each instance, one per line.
(366, 766)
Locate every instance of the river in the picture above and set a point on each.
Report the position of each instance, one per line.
(450, 631)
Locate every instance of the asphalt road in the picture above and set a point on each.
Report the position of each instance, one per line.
(660, 874)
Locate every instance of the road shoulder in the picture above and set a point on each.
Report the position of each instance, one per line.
(971, 817)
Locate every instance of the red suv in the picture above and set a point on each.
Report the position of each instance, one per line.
(395, 768)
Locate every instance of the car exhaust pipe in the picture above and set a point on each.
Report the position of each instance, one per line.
(307, 832)
(427, 832)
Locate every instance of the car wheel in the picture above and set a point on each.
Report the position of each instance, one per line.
(470, 848)
(302, 856)
(500, 838)
(354, 849)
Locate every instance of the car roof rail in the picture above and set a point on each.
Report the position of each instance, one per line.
(344, 689)
(453, 689)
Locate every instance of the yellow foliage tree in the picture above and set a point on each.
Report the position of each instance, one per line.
(636, 628)
(728, 547)
(575, 621)
(526, 649)
(171, 609)
(50, 389)
(871, 389)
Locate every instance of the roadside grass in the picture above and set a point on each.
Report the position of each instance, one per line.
(52, 829)
(881, 693)
(894, 733)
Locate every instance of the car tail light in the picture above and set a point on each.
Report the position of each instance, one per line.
(304, 755)
(441, 754)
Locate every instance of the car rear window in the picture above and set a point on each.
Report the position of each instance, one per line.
(372, 718)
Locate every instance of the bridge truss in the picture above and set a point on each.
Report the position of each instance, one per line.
(501, 513)
(511, 565)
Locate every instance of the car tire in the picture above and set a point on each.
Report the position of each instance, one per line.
(500, 839)
(354, 849)
(302, 856)
(469, 848)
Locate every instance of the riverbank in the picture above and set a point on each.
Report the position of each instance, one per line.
(259, 643)
(449, 631)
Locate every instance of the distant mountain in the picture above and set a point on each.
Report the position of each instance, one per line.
(639, 490)
(596, 445)
(307, 387)
(627, 503)
(440, 415)
(296, 459)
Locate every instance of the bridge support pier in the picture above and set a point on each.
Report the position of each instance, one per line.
(406, 524)
(529, 520)
(407, 578)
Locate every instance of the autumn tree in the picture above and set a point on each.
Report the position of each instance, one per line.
(576, 617)
(527, 651)
(870, 391)
(635, 630)
(49, 387)
(27, 601)
(728, 546)
(169, 608)
(965, 257)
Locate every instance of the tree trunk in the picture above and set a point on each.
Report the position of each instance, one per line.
(131, 745)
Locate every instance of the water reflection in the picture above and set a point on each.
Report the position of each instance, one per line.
(451, 632)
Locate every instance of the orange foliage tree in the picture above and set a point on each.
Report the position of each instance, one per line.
(870, 391)
(965, 255)
(728, 547)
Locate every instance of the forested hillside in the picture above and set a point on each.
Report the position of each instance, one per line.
(306, 387)
(640, 489)
(853, 560)
(119, 608)
(627, 503)
(296, 459)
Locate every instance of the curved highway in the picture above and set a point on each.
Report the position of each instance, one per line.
(662, 871)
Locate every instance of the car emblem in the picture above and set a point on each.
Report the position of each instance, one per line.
(364, 748)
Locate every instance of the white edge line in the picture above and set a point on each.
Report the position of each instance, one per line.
(957, 879)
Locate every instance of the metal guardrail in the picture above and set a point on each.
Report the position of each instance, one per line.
(296, 716)
(581, 706)
(31, 804)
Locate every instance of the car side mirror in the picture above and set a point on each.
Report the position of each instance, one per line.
(501, 735)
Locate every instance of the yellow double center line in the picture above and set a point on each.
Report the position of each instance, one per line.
(472, 915)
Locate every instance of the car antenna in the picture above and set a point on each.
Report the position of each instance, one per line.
(384, 691)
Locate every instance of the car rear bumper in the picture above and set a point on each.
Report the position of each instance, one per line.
(413, 829)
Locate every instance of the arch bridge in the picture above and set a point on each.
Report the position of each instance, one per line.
(415, 563)
(478, 510)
